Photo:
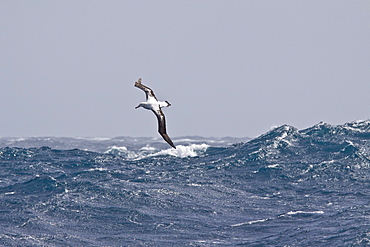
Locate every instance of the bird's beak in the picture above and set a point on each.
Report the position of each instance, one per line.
(137, 106)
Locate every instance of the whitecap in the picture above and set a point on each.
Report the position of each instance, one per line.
(116, 150)
(147, 148)
(273, 166)
(303, 212)
(181, 151)
(122, 151)
(250, 222)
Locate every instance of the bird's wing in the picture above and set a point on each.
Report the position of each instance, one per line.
(148, 92)
(162, 127)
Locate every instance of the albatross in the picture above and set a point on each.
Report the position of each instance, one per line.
(155, 106)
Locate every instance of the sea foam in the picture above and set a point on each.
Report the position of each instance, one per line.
(181, 151)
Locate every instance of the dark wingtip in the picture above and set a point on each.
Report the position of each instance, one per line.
(167, 139)
(138, 82)
(171, 143)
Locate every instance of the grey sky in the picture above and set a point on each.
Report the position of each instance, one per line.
(229, 68)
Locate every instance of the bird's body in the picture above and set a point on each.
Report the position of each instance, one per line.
(155, 106)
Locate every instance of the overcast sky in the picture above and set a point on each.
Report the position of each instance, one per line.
(229, 68)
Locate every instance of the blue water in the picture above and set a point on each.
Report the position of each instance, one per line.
(288, 187)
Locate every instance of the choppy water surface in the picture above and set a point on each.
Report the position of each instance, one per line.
(287, 187)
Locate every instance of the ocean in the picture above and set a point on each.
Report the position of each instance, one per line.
(287, 187)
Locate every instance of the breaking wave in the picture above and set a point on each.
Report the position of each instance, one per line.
(181, 151)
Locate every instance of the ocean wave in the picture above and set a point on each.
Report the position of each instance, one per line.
(303, 212)
(278, 187)
(250, 222)
(181, 151)
(291, 213)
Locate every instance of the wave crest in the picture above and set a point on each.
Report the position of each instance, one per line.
(182, 151)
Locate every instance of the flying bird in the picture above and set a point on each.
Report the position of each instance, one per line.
(155, 106)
